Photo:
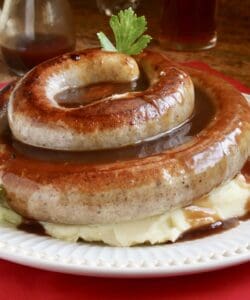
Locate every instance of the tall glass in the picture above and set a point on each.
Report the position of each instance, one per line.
(32, 31)
(188, 24)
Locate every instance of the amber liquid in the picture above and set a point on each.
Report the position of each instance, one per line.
(25, 53)
(189, 24)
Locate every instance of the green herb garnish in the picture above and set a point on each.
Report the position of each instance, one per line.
(128, 30)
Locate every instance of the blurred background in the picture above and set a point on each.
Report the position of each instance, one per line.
(231, 54)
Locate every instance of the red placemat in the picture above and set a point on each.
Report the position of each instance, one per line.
(23, 283)
(18, 282)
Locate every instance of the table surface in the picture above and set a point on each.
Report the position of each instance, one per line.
(231, 55)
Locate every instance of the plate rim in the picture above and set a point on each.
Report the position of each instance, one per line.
(21, 256)
(126, 273)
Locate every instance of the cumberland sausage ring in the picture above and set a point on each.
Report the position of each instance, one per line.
(124, 190)
(35, 118)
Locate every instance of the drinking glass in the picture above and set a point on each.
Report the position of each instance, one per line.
(188, 24)
(32, 31)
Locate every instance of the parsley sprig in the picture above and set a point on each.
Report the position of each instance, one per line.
(129, 34)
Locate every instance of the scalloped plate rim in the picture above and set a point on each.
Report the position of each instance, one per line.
(120, 271)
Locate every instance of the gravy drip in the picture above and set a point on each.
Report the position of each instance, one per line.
(246, 170)
(207, 230)
(217, 226)
(32, 227)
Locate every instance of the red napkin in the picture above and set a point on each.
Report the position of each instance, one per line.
(18, 282)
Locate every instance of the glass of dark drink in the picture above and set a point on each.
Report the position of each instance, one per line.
(188, 24)
(32, 31)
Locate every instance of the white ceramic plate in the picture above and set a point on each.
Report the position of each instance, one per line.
(213, 252)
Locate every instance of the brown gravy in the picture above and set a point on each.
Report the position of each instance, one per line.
(246, 171)
(32, 227)
(217, 226)
(214, 228)
(75, 97)
(204, 112)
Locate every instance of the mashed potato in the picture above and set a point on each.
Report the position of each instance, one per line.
(224, 202)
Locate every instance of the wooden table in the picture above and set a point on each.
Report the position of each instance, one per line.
(231, 55)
